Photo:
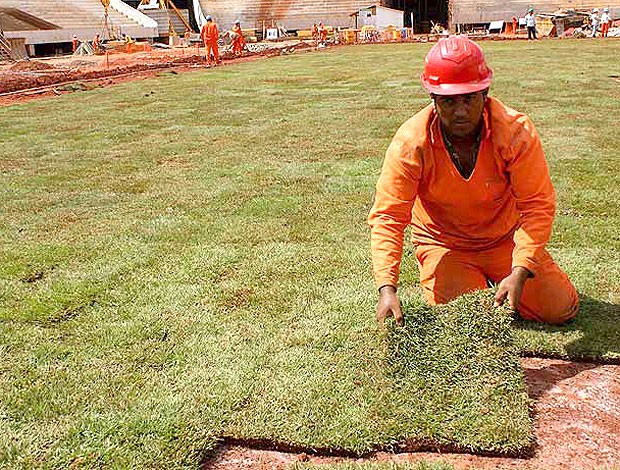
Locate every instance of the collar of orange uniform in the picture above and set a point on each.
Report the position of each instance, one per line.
(435, 127)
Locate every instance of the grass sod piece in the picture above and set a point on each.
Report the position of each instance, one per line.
(460, 363)
(451, 379)
(157, 273)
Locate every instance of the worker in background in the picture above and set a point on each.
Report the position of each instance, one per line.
(530, 23)
(75, 42)
(187, 35)
(594, 21)
(322, 34)
(468, 174)
(515, 25)
(315, 33)
(605, 22)
(210, 35)
(238, 42)
(128, 42)
(97, 43)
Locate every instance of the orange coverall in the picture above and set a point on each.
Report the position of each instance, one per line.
(469, 231)
(239, 42)
(315, 32)
(322, 33)
(210, 35)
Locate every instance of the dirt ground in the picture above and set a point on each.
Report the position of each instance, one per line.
(48, 77)
(43, 78)
(577, 427)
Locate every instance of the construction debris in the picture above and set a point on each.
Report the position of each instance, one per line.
(85, 48)
(31, 66)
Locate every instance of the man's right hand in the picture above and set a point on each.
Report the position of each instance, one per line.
(389, 306)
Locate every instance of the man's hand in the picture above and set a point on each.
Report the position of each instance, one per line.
(389, 306)
(511, 287)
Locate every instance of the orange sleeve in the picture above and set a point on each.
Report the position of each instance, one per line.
(396, 191)
(532, 188)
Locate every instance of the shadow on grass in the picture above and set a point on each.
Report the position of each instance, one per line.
(591, 337)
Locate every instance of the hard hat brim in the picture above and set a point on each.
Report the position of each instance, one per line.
(451, 89)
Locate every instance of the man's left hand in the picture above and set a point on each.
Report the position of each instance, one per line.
(511, 288)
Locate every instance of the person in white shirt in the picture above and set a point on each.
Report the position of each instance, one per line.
(605, 22)
(594, 21)
(530, 22)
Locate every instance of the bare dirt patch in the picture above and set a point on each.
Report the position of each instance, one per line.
(30, 65)
(576, 418)
(28, 80)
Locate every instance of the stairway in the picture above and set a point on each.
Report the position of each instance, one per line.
(5, 49)
(163, 23)
(71, 14)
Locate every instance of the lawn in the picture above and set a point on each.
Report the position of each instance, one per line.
(186, 258)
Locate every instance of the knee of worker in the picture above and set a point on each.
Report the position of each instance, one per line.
(442, 294)
(552, 300)
(445, 274)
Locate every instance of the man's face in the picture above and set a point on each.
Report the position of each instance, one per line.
(460, 115)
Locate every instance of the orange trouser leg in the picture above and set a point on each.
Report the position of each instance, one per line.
(236, 46)
(208, 52)
(211, 49)
(604, 29)
(215, 49)
(548, 297)
(445, 274)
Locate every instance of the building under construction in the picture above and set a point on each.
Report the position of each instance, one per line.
(41, 27)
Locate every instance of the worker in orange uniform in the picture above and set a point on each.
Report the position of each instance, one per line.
(210, 35)
(515, 25)
(605, 22)
(469, 175)
(322, 34)
(315, 33)
(75, 42)
(97, 43)
(238, 43)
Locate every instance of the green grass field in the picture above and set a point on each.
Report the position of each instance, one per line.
(186, 258)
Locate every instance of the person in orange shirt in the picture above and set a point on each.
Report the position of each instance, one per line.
(315, 32)
(97, 43)
(210, 35)
(238, 43)
(322, 34)
(75, 42)
(469, 175)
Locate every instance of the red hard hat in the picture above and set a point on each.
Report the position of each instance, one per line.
(455, 66)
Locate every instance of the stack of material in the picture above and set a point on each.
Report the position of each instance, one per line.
(566, 22)
(84, 48)
(613, 33)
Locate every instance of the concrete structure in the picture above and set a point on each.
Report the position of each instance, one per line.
(290, 14)
(379, 16)
(421, 14)
(485, 11)
(42, 22)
